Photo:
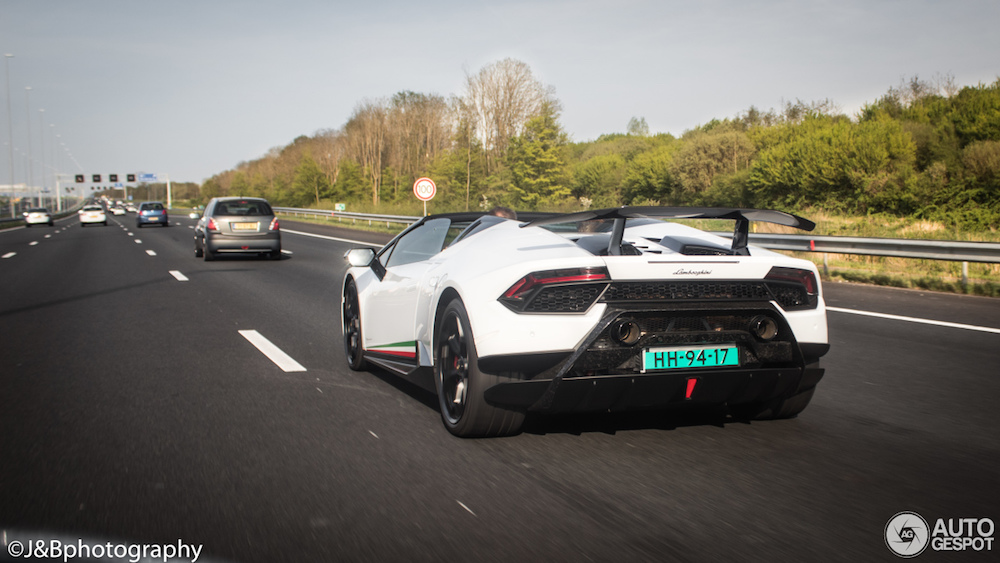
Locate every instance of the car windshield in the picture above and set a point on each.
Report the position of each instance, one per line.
(244, 208)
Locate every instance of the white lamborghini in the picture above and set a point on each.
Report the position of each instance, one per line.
(602, 310)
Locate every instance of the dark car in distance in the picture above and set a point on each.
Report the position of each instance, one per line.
(237, 225)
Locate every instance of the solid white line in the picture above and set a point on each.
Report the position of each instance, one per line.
(329, 238)
(281, 359)
(915, 320)
(10, 255)
(179, 276)
(151, 253)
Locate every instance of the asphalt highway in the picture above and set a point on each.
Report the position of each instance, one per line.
(135, 408)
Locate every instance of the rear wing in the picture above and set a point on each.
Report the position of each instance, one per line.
(619, 215)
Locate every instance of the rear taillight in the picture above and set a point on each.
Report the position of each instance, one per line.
(793, 288)
(520, 295)
(212, 225)
(274, 225)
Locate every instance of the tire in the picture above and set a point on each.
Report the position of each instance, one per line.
(208, 254)
(353, 350)
(275, 255)
(461, 386)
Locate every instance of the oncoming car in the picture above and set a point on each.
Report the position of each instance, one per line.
(91, 214)
(603, 310)
(151, 213)
(37, 216)
(237, 225)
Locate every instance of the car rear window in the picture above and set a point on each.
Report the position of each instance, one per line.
(244, 208)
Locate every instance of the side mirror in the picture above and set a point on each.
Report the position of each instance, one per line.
(360, 257)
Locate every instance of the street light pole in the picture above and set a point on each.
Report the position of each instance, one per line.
(41, 140)
(10, 133)
(27, 110)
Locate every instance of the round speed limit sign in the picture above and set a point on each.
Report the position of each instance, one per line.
(424, 189)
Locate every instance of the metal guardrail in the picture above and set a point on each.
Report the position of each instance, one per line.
(957, 251)
(354, 217)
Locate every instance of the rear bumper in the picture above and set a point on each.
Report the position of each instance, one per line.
(270, 242)
(605, 375)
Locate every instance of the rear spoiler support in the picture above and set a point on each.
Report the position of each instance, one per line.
(741, 231)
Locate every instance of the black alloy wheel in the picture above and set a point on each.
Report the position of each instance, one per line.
(352, 328)
(460, 384)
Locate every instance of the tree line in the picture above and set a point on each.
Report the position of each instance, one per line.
(926, 148)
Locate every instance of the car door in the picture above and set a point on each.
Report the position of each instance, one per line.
(390, 314)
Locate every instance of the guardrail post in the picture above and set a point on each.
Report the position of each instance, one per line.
(965, 275)
(826, 264)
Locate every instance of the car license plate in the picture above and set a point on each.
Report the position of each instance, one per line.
(686, 357)
(245, 226)
(153, 218)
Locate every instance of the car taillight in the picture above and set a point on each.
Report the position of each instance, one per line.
(212, 225)
(793, 288)
(570, 290)
(274, 225)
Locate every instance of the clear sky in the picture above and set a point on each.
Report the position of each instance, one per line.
(192, 88)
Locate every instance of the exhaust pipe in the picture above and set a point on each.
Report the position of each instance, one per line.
(626, 332)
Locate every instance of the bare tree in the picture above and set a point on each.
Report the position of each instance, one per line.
(502, 97)
(331, 147)
(366, 131)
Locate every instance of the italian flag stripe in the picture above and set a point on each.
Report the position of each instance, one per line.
(401, 349)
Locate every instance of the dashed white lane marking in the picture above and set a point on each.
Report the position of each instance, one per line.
(33, 243)
(915, 320)
(466, 507)
(179, 276)
(273, 353)
(150, 252)
(138, 241)
(10, 255)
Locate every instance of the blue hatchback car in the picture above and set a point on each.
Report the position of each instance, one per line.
(151, 213)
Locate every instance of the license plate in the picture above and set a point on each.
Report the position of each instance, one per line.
(245, 226)
(687, 357)
(154, 218)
